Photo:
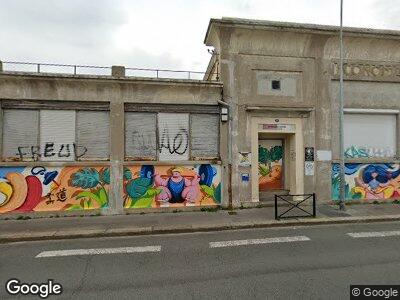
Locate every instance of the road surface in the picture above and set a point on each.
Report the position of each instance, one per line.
(315, 262)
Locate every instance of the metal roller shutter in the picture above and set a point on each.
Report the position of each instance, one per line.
(140, 136)
(204, 135)
(20, 130)
(371, 135)
(93, 134)
(57, 135)
(173, 136)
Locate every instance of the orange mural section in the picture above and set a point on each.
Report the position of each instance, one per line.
(149, 186)
(34, 189)
(270, 165)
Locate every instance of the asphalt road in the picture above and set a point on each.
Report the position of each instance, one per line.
(320, 263)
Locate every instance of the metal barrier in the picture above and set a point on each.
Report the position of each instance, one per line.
(295, 204)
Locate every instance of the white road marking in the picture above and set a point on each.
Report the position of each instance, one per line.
(285, 239)
(373, 234)
(98, 251)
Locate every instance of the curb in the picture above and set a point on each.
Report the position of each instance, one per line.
(137, 231)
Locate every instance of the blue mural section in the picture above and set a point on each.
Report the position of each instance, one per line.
(378, 181)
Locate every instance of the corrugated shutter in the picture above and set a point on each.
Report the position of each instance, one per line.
(173, 136)
(373, 134)
(140, 136)
(204, 135)
(57, 135)
(93, 134)
(20, 129)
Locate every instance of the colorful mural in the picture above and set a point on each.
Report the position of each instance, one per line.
(172, 186)
(27, 189)
(270, 165)
(367, 181)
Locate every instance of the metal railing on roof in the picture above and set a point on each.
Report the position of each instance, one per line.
(101, 70)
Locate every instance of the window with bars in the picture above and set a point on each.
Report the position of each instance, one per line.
(171, 136)
(55, 135)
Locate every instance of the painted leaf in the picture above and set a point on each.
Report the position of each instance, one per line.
(152, 192)
(127, 174)
(88, 204)
(103, 197)
(263, 154)
(105, 175)
(143, 202)
(264, 171)
(136, 188)
(276, 153)
(75, 207)
(208, 190)
(87, 194)
(86, 178)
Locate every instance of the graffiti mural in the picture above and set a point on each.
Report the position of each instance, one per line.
(270, 164)
(368, 152)
(28, 189)
(367, 181)
(172, 186)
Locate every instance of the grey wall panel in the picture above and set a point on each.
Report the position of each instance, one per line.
(204, 130)
(173, 136)
(57, 135)
(140, 135)
(20, 129)
(93, 134)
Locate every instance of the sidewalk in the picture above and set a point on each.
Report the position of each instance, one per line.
(157, 223)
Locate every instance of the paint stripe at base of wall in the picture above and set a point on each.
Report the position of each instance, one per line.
(98, 251)
(285, 239)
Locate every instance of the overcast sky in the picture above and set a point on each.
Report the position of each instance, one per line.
(155, 33)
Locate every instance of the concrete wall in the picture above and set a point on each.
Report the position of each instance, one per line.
(64, 90)
(252, 53)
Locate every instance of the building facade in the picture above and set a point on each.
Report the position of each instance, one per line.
(263, 121)
(281, 81)
(105, 144)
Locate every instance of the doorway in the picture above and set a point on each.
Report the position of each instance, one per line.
(271, 168)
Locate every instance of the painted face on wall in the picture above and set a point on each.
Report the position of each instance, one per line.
(176, 174)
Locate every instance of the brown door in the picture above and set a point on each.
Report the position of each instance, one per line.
(270, 164)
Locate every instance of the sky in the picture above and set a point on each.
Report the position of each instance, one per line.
(155, 33)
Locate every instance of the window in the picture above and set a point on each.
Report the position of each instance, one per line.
(369, 135)
(171, 136)
(55, 135)
(276, 84)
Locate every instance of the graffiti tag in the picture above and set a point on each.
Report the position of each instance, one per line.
(178, 144)
(365, 152)
(50, 150)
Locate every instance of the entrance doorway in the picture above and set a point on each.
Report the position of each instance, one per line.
(271, 164)
(278, 157)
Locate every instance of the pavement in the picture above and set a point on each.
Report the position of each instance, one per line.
(180, 222)
(295, 262)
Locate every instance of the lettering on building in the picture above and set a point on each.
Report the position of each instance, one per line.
(367, 70)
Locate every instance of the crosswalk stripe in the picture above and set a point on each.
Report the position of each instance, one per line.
(373, 234)
(285, 239)
(98, 251)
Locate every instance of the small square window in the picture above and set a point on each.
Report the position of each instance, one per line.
(276, 84)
